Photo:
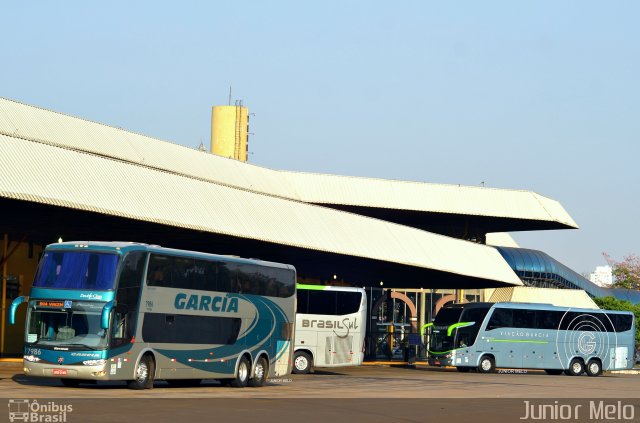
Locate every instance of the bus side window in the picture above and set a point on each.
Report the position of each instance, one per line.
(500, 318)
(547, 319)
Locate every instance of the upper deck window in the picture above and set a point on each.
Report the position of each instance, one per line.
(77, 270)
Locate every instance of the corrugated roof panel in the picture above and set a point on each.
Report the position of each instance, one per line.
(63, 177)
(554, 208)
(406, 195)
(63, 130)
(501, 295)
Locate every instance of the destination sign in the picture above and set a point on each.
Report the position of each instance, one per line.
(50, 303)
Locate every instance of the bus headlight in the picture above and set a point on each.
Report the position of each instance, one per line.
(31, 358)
(94, 362)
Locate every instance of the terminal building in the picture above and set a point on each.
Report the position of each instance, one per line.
(66, 178)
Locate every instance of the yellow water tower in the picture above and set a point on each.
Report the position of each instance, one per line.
(230, 131)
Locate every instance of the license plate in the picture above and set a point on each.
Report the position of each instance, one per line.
(437, 363)
(60, 372)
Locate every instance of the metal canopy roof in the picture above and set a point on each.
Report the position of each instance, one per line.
(43, 173)
(426, 197)
(529, 210)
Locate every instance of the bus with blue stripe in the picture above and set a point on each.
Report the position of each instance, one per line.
(101, 311)
(575, 341)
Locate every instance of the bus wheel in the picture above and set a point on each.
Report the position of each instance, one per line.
(260, 373)
(242, 375)
(301, 363)
(554, 372)
(70, 383)
(487, 365)
(463, 369)
(576, 368)
(594, 368)
(143, 374)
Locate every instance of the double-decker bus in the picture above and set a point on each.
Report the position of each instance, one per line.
(535, 336)
(135, 312)
(330, 327)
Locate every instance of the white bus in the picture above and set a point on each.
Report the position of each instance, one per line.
(330, 327)
(123, 311)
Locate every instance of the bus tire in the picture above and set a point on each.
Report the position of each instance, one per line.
(463, 369)
(576, 368)
(553, 372)
(144, 373)
(242, 374)
(594, 367)
(487, 364)
(70, 383)
(301, 363)
(260, 373)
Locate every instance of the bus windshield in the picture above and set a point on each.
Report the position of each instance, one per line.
(440, 340)
(448, 316)
(75, 327)
(457, 327)
(77, 270)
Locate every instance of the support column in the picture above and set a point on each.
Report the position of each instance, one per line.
(422, 299)
(421, 315)
(5, 259)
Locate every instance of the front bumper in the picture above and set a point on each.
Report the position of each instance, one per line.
(75, 371)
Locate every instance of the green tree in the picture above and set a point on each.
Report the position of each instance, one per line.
(626, 273)
(611, 303)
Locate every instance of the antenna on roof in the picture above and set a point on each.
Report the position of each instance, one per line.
(229, 94)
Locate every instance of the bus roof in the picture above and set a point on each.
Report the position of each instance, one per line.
(125, 247)
(535, 306)
(551, 307)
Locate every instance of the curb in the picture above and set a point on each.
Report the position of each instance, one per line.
(625, 372)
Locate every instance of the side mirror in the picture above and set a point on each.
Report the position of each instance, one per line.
(106, 312)
(14, 307)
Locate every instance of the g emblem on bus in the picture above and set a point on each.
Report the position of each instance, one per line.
(587, 343)
(60, 360)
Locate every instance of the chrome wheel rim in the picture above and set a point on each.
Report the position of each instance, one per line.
(243, 371)
(301, 363)
(594, 368)
(259, 373)
(142, 372)
(486, 365)
(577, 368)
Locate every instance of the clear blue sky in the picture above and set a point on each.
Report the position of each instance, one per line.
(538, 95)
